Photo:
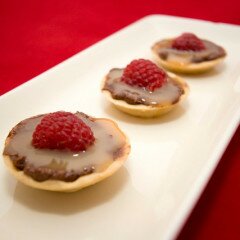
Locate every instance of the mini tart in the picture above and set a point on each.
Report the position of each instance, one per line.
(179, 58)
(89, 176)
(142, 110)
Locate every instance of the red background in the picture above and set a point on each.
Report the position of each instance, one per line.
(36, 35)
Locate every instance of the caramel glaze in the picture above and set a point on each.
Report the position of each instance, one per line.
(44, 164)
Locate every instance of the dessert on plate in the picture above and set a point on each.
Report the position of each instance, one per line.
(143, 89)
(62, 151)
(188, 54)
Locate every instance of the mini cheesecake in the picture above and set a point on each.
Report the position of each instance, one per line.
(188, 54)
(137, 99)
(64, 169)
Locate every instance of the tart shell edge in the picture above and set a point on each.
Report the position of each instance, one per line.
(81, 182)
(144, 111)
(191, 68)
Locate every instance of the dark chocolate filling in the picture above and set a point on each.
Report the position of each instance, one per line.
(43, 173)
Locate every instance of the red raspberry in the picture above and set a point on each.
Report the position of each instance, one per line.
(188, 41)
(62, 130)
(144, 73)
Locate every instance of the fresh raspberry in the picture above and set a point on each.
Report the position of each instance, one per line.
(62, 130)
(188, 41)
(145, 74)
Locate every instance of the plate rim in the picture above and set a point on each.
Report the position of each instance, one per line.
(194, 194)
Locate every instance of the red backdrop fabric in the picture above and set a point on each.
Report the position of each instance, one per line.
(36, 35)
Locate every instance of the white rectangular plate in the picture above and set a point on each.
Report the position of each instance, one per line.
(172, 157)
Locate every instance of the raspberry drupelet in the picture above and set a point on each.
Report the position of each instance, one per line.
(145, 74)
(188, 42)
(62, 130)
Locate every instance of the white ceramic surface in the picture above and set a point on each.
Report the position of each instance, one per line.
(172, 157)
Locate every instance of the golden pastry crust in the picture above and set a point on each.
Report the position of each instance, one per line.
(145, 111)
(184, 67)
(82, 181)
